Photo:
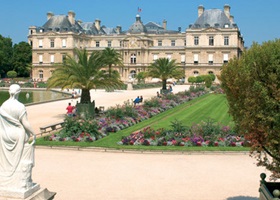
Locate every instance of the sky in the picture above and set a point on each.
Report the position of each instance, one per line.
(258, 20)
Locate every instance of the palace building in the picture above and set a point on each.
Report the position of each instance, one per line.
(202, 48)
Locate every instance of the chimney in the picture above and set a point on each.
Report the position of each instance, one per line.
(49, 15)
(79, 22)
(119, 29)
(164, 23)
(227, 10)
(97, 24)
(71, 17)
(231, 19)
(200, 10)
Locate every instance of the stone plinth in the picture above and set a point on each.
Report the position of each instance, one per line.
(35, 193)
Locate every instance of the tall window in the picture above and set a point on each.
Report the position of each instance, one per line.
(40, 59)
(183, 58)
(159, 43)
(225, 58)
(211, 41)
(155, 57)
(97, 44)
(63, 58)
(64, 43)
(52, 58)
(195, 59)
(172, 42)
(210, 59)
(52, 43)
(196, 40)
(133, 58)
(40, 43)
(41, 74)
(226, 40)
(109, 43)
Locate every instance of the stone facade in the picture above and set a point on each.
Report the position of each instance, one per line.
(201, 49)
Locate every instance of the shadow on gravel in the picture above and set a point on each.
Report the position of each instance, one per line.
(242, 198)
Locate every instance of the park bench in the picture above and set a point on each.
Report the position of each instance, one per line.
(52, 127)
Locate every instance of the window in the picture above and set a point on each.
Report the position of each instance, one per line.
(41, 74)
(52, 43)
(109, 43)
(159, 43)
(172, 42)
(183, 58)
(195, 73)
(226, 40)
(121, 43)
(52, 59)
(40, 43)
(31, 43)
(210, 72)
(64, 43)
(196, 40)
(155, 57)
(210, 59)
(133, 58)
(225, 58)
(40, 59)
(185, 42)
(97, 44)
(63, 58)
(211, 41)
(195, 58)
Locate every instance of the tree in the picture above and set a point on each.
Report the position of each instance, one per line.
(84, 73)
(252, 87)
(163, 68)
(12, 74)
(22, 58)
(6, 54)
(111, 57)
(192, 79)
(141, 77)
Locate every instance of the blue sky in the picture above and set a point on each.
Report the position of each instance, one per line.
(258, 20)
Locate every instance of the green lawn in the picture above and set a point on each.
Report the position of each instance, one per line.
(212, 106)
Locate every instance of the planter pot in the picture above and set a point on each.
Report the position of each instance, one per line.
(86, 110)
(269, 190)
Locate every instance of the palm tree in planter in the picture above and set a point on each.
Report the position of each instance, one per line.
(84, 72)
(164, 68)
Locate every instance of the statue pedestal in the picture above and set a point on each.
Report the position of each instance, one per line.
(34, 193)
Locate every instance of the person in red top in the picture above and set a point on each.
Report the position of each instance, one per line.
(70, 110)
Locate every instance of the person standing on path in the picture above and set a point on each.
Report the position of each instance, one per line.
(70, 109)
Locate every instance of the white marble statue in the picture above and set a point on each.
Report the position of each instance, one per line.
(16, 153)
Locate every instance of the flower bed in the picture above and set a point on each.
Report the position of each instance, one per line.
(120, 117)
(203, 134)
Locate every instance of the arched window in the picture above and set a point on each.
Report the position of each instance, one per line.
(132, 74)
(195, 73)
(210, 72)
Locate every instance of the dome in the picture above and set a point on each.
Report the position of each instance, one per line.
(138, 26)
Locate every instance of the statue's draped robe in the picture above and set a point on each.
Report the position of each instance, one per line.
(16, 154)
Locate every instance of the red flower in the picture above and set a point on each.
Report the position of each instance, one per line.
(164, 143)
(216, 144)
(198, 143)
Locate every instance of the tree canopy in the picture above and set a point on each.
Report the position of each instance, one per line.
(252, 87)
(84, 73)
(17, 57)
(164, 69)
